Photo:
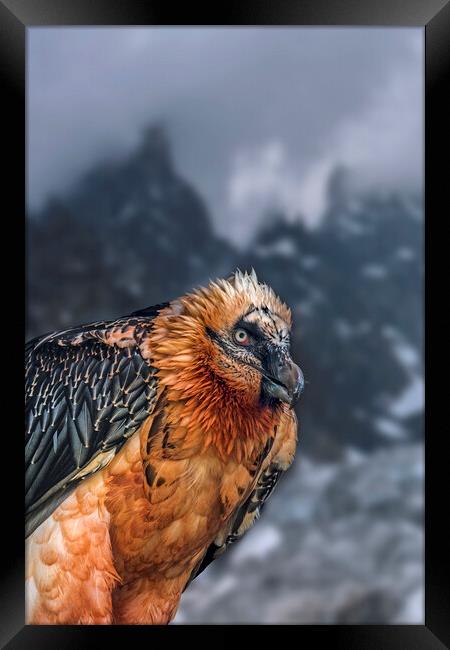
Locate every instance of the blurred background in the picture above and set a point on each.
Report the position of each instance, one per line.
(161, 157)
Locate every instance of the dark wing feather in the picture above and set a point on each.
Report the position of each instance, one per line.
(84, 397)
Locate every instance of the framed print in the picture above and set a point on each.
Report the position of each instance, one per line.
(227, 267)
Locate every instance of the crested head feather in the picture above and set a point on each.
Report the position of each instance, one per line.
(223, 301)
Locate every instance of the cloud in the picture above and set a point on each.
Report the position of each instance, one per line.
(262, 180)
(266, 180)
(257, 116)
(381, 147)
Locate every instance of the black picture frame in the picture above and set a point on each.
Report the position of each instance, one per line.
(18, 15)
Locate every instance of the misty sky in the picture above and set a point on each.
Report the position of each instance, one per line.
(257, 116)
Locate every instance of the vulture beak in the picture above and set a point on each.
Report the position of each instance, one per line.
(283, 380)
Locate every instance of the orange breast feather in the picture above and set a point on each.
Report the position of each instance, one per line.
(124, 544)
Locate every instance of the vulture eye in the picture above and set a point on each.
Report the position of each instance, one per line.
(242, 337)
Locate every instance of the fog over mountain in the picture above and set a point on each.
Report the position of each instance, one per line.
(259, 116)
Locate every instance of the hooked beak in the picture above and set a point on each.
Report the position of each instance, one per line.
(284, 379)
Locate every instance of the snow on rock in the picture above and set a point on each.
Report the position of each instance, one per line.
(411, 400)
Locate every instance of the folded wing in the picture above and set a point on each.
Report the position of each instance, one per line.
(87, 390)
